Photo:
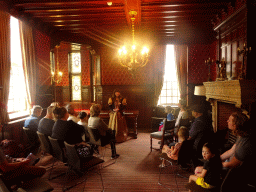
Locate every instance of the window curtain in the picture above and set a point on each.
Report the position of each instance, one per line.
(5, 64)
(28, 60)
(181, 60)
(159, 63)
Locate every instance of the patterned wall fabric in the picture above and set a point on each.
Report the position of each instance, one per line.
(85, 60)
(114, 74)
(42, 49)
(197, 69)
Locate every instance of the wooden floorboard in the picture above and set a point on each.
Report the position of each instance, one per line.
(136, 170)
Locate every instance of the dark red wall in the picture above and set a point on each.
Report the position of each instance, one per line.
(197, 69)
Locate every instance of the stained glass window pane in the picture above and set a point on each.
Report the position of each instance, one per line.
(76, 62)
(76, 88)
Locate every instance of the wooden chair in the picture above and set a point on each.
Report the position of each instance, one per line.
(184, 162)
(57, 153)
(80, 166)
(166, 133)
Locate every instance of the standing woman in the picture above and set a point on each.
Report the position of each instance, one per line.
(117, 120)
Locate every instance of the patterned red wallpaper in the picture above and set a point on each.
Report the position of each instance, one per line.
(197, 69)
(85, 61)
(114, 74)
(42, 48)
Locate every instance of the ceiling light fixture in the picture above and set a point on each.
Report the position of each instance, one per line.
(133, 56)
(109, 3)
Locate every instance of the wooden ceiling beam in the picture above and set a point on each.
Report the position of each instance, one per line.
(72, 10)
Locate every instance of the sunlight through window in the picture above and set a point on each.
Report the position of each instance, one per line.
(170, 94)
(17, 102)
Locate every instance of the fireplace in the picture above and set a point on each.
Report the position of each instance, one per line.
(227, 97)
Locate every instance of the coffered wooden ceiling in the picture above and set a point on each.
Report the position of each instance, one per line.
(157, 21)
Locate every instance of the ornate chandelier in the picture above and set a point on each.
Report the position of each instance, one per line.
(133, 56)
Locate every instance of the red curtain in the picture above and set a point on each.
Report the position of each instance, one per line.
(159, 63)
(181, 60)
(29, 61)
(5, 64)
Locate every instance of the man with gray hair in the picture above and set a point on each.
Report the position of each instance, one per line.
(33, 121)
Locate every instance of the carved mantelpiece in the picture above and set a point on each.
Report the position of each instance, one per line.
(236, 92)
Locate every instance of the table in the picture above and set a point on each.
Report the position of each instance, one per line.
(129, 115)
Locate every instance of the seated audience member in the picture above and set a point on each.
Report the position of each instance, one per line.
(72, 113)
(183, 114)
(33, 121)
(15, 172)
(169, 117)
(55, 104)
(106, 134)
(210, 175)
(69, 131)
(240, 159)
(46, 124)
(84, 122)
(173, 151)
(200, 131)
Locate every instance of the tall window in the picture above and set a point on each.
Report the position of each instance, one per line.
(170, 93)
(75, 60)
(17, 103)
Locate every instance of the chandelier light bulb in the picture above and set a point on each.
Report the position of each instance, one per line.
(133, 47)
(145, 50)
(60, 73)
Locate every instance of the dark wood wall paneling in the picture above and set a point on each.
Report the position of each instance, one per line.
(237, 30)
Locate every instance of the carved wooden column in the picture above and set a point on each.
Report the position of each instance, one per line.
(214, 114)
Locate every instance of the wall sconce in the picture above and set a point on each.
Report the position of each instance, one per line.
(56, 75)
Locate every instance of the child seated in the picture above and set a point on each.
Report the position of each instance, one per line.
(169, 117)
(173, 151)
(211, 172)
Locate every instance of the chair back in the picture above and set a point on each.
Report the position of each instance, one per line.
(185, 122)
(32, 136)
(57, 151)
(169, 125)
(45, 143)
(72, 156)
(94, 136)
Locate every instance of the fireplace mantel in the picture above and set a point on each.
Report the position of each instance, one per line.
(238, 92)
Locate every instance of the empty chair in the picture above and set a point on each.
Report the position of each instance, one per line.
(57, 153)
(163, 135)
(80, 166)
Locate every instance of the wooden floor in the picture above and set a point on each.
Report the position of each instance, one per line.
(135, 170)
